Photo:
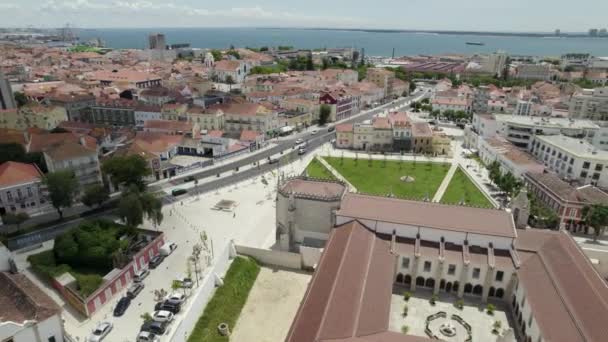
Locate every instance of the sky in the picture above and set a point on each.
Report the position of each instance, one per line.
(475, 15)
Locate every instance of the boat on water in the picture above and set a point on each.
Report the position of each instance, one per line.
(476, 43)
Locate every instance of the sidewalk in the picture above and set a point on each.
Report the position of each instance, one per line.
(336, 174)
(446, 181)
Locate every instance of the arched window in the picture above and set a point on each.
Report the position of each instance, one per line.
(500, 293)
(399, 278)
(442, 284)
(478, 289)
(430, 282)
(408, 279)
(492, 292)
(468, 288)
(420, 281)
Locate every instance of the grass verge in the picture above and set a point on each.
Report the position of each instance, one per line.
(316, 170)
(461, 188)
(227, 302)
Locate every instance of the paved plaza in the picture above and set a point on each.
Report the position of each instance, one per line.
(419, 308)
(271, 306)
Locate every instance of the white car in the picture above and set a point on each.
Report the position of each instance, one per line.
(176, 297)
(145, 336)
(314, 131)
(100, 332)
(162, 316)
(299, 141)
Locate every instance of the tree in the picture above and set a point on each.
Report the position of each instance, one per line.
(596, 216)
(63, 188)
(234, 54)
(217, 55)
(412, 86)
(230, 81)
(127, 170)
(95, 195)
(309, 63)
(17, 219)
(134, 206)
(324, 114)
(16, 152)
(21, 99)
(324, 63)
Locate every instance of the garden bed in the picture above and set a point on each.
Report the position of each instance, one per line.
(461, 188)
(227, 302)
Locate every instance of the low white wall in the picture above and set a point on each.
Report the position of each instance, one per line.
(601, 256)
(203, 294)
(310, 256)
(270, 257)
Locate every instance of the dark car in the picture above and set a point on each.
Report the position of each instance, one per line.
(122, 306)
(331, 129)
(189, 179)
(172, 307)
(134, 290)
(178, 192)
(157, 328)
(273, 160)
(155, 261)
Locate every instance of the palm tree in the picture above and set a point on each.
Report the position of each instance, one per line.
(596, 216)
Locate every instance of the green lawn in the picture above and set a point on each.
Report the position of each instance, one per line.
(227, 302)
(462, 188)
(316, 170)
(381, 177)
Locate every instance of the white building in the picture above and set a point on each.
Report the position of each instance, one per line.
(495, 63)
(225, 70)
(541, 72)
(143, 114)
(523, 107)
(83, 161)
(21, 188)
(510, 158)
(28, 314)
(591, 104)
(572, 159)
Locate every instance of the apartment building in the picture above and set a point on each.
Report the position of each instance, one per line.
(206, 120)
(33, 116)
(21, 188)
(590, 104)
(115, 113)
(225, 70)
(538, 72)
(572, 159)
(74, 156)
(246, 116)
(510, 158)
(77, 107)
(385, 79)
(7, 99)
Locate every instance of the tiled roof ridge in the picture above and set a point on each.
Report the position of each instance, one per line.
(558, 288)
(32, 304)
(333, 285)
(360, 300)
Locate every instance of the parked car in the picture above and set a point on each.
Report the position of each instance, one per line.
(141, 275)
(122, 306)
(185, 282)
(178, 192)
(134, 290)
(157, 328)
(100, 332)
(176, 297)
(146, 336)
(331, 128)
(301, 150)
(155, 261)
(167, 248)
(299, 141)
(174, 308)
(162, 316)
(189, 179)
(273, 160)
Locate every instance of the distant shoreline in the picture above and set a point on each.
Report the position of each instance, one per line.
(457, 33)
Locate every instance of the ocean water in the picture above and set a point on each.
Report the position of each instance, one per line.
(375, 43)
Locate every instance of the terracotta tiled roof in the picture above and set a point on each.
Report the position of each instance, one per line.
(421, 129)
(248, 135)
(568, 297)
(344, 128)
(13, 173)
(21, 300)
(40, 142)
(432, 215)
(349, 296)
(68, 150)
(168, 125)
(227, 65)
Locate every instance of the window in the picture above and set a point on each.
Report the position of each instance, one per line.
(499, 275)
(9, 196)
(29, 192)
(596, 176)
(530, 321)
(599, 167)
(586, 165)
(427, 266)
(451, 269)
(584, 174)
(52, 339)
(476, 273)
(405, 262)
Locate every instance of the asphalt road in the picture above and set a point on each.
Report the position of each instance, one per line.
(285, 147)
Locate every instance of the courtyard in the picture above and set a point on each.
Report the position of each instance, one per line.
(271, 306)
(462, 189)
(472, 322)
(407, 179)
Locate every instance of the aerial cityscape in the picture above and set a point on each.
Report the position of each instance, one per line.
(173, 173)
